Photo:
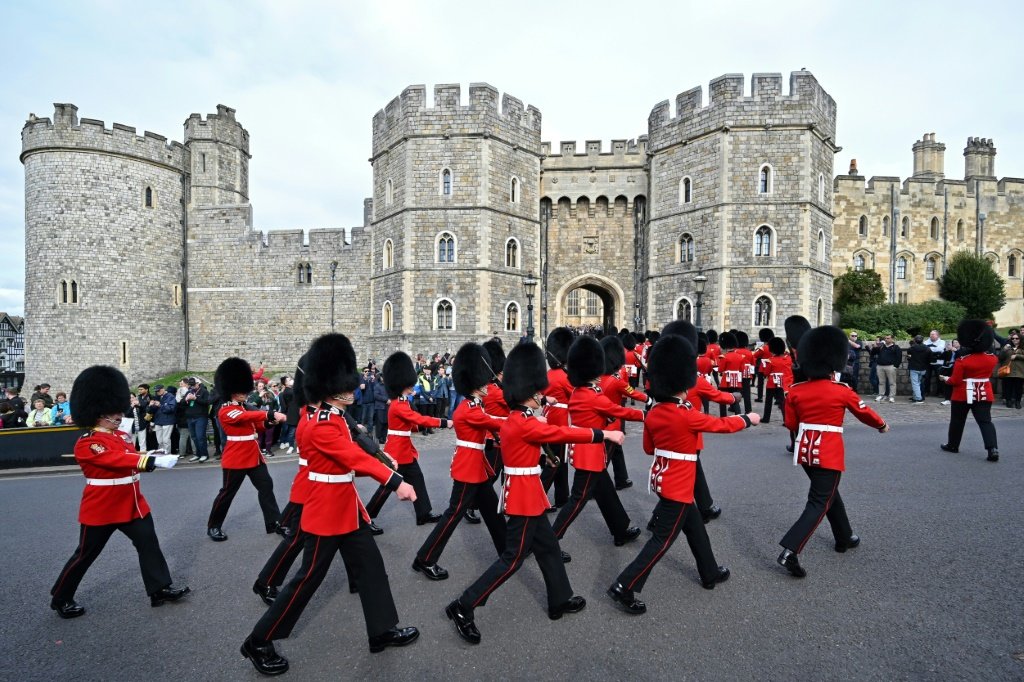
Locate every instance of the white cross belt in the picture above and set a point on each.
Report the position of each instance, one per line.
(392, 432)
(332, 478)
(126, 480)
(469, 444)
(251, 436)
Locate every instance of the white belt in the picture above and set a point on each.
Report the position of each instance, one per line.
(126, 480)
(392, 432)
(668, 454)
(469, 444)
(561, 405)
(522, 471)
(332, 478)
(303, 462)
(251, 436)
(972, 389)
(800, 436)
(734, 375)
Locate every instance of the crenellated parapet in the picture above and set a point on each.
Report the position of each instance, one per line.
(410, 114)
(806, 105)
(221, 127)
(66, 132)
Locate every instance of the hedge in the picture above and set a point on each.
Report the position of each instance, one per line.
(905, 319)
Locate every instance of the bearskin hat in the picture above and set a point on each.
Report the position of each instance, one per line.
(614, 354)
(557, 347)
(330, 368)
(974, 335)
(765, 334)
(671, 366)
(399, 374)
(586, 361)
(823, 352)
(702, 343)
(469, 371)
(495, 356)
(99, 390)
(712, 336)
(727, 340)
(525, 373)
(655, 335)
(683, 329)
(796, 327)
(234, 375)
(299, 382)
(776, 345)
(742, 340)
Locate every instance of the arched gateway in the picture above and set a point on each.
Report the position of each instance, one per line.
(575, 312)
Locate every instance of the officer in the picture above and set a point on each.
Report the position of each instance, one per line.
(972, 387)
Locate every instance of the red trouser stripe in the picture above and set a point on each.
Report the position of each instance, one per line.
(284, 612)
(661, 552)
(828, 505)
(511, 569)
(295, 538)
(579, 504)
(454, 520)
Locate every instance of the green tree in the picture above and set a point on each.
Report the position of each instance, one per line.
(971, 282)
(857, 288)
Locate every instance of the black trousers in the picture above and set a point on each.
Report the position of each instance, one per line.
(617, 458)
(823, 501)
(524, 534)
(92, 540)
(559, 476)
(745, 392)
(701, 491)
(760, 386)
(413, 475)
(596, 484)
(1013, 388)
(284, 555)
(671, 517)
(778, 396)
(360, 553)
(492, 452)
(465, 496)
(982, 412)
(734, 408)
(232, 481)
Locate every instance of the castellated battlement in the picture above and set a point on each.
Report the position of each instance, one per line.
(593, 148)
(411, 114)
(219, 127)
(66, 132)
(806, 104)
(320, 240)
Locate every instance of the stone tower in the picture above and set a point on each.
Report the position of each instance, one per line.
(455, 227)
(104, 248)
(741, 189)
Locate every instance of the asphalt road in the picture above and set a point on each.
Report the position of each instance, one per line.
(934, 592)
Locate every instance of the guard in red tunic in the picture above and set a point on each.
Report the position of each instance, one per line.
(972, 387)
(333, 517)
(112, 500)
(796, 326)
(588, 407)
(242, 455)
(815, 409)
(471, 472)
(403, 421)
(749, 368)
(525, 501)
(556, 411)
(730, 368)
(617, 389)
(761, 353)
(671, 431)
(494, 400)
(778, 370)
(714, 352)
(634, 357)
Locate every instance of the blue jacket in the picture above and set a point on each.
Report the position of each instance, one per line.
(380, 396)
(64, 407)
(165, 414)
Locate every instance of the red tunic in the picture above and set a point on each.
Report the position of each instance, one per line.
(590, 408)
(472, 426)
(335, 508)
(403, 421)
(748, 362)
(560, 389)
(704, 366)
(696, 395)
(239, 422)
(106, 455)
(730, 368)
(634, 359)
(779, 372)
(973, 371)
(300, 484)
(823, 403)
(521, 437)
(675, 427)
(715, 353)
(616, 389)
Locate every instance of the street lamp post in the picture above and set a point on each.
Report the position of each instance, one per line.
(334, 267)
(636, 316)
(699, 282)
(530, 285)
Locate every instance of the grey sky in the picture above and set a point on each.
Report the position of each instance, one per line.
(307, 77)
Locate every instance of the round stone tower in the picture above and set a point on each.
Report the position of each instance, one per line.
(456, 224)
(103, 249)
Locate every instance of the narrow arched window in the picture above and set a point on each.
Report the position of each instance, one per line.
(593, 304)
(821, 188)
(821, 245)
(821, 312)
(905, 227)
(309, 273)
(446, 183)
(512, 253)
(764, 180)
(684, 310)
(1011, 265)
(302, 274)
(74, 291)
(573, 303)
(901, 268)
(763, 241)
(389, 254)
(513, 191)
(446, 248)
(858, 262)
(862, 226)
(929, 268)
(960, 230)
(512, 317)
(149, 197)
(934, 232)
(885, 226)
(685, 190)
(387, 317)
(763, 312)
(389, 192)
(444, 313)
(686, 252)
(63, 291)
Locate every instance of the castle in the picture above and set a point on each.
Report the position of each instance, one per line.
(141, 252)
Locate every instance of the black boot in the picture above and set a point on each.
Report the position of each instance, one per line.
(626, 600)
(266, 592)
(464, 624)
(432, 571)
(68, 608)
(789, 561)
(993, 455)
(264, 658)
(168, 594)
(471, 516)
(394, 637)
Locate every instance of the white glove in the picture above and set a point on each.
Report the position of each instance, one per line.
(166, 461)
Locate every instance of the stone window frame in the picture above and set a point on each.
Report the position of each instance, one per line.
(766, 185)
(454, 254)
(685, 190)
(512, 251)
(1013, 263)
(931, 266)
(388, 254)
(176, 295)
(756, 315)
(934, 229)
(868, 258)
(148, 197)
(437, 314)
(903, 263)
(689, 307)
(690, 246)
(389, 192)
(513, 316)
(515, 190)
(862, 226)
(885, 226)
(905, 227)
(819, 311)
(821, 245)
(69, 292)
(387, 317)
(123, 356)
(821, 188)
(993, 258)
(772, 244)
(445, 186)
(960, 230)
(571, 302)
(305, 272)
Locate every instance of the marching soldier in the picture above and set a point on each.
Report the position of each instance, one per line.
(972, 387)
(670, 437)
(588, 407)
(403, 421)
(815, 410)
(796, 326)
(617, 390)
(556, 410)
(778, 368)
(112, 499)
(714, 353)
(761, 353)
(242, 455)
(333, 517)
(749, 366)
(471, 472)
(730, 368)
(525, 502)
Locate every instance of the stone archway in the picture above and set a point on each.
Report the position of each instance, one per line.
(610, 294)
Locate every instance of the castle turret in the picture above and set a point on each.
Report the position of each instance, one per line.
(929, 158)
(979, 159)
(219, 148)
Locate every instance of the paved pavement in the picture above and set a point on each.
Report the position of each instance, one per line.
(934, 592)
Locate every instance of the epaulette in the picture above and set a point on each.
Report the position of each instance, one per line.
(323, 415)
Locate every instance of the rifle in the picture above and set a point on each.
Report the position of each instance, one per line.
(368, 443)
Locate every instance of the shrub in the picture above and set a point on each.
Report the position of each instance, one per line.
(856, 288)
(905, 319)
(971, 282)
